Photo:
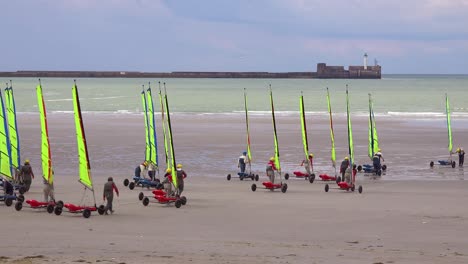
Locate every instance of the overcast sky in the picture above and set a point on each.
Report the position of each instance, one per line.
(411, 36)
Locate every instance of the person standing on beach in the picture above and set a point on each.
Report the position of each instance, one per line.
(270, 169)
(152, 171)
(461, 156)
(344, 165)
(141, 168)
(108, 194)
(379, 154)
(48, 191)
(309, 164)
(243, 160)
(27, 175)
(181, 175)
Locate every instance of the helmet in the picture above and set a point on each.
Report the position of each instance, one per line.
(26, 161)
(311, 155)
(110, 179)
(145, 163)
(272, 159)
(245, 152)
(169, 170)
(380, 150)
(458, 149)
(346, 158)
(179, 166)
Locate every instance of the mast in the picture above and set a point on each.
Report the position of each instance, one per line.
(350, 132)
(277, 154)
(171, 142)
(152, 128)
(5, 151)
(332, 134)
(166, 147)
(373, 137)
(147, 134)
(249, 154)
(449, 125)
(46, 156)
(304, 129)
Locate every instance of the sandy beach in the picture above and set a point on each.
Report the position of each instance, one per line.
(412, 215)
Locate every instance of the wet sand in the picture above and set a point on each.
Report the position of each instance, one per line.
(412, 215)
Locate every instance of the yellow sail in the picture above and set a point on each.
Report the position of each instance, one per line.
(12, 127)
(332, 133)
(152, 128)
(83, 158)
(5, 158)
(277, 154)
(163, 122)
(249, 154)
(46, 157)
(171, 144)
(147, 135)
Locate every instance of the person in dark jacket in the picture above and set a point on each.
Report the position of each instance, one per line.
(461, 156)
(27, 175)
(343, 167)
(108, 194)
(181, 175)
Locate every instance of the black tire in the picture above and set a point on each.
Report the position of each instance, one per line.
(252, 177)
(145, 201)
(50, 208)
(141, 195)
(431, 164)
(8, 201)
(20, 198)
(18, 206)
(183, 199)
(312, 178)
(379, 173)
(384, 167)
(59, 204)
(126, 182)
(253, 187)
(58, 210)
(131, 185)
(160, 186)
(228, 177)
(284, 188)
(360, 189)
(178, 203)
(241, 177)
(286, 176)
(359, 168)
(86, 213)
(257, 177)
(454, 164)
(101, 209)
(327, 187)
(352, 188)
(22, 190)
(338, 179)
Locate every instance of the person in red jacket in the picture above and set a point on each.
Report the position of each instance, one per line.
(270, 169)
(109, 189)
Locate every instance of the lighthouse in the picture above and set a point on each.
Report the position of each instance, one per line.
(365, 61)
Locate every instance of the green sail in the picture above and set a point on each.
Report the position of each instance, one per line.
(277, 154)
(373, 137)
(163, 121)
(152, 128)
(350, 132)
(171, 144)
(332, 134)
(12, 127)
(305, 142)
(147, 134)
(5, 158)
(46, 157)
(83, 158)
(249, 153)
(449, 125)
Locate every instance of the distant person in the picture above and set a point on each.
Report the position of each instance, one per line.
(108, 194)
(181, 175)
(242, 161)
(379, 154)
(309, 164)
(48, 191)
(376, 163)
(344, 165)
(270, 169)
(461, 156)
(27, 175)
(140, 169)
(167, 182)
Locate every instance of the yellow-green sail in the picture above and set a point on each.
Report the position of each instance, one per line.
(171, 144)
(249, 154)
(277, 154)
(332, 133)
(83, 158)
(449, 123)
(373, 137)
(350, 132)
(163, 122)
(152, 128)
(305, 142)
(46, 157)
(12, 127)
(5, 158)
(147, 134)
